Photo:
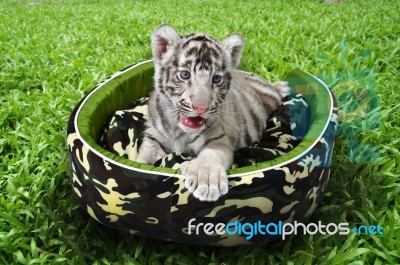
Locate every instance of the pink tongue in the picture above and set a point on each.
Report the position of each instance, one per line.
(192, 122)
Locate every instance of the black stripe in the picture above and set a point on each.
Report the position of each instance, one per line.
(180, 135)
(254, 117)
(187, 64)
(204, 67)
(175, 60)
(180, 92)
(228, 76)
(195, 138)
(163, 119)
(213, 109)
(213, 139)
(184, 105)
(224, 90)
(270, 103)
(259, 81)
(163, 93)
(197, 38)
(239, 109)
(160, 80)
(167, 73)
(247, 138)
(200, 38)
(173, 91)
(205, 55)
(257, 122)
(190, 35)
(214, 53)
(223, 67)
(166, 150)
(192, 51)
(218, 48)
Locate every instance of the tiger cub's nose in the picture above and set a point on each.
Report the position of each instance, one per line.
(199, 110)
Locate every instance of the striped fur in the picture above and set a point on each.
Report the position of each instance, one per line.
(215, 111)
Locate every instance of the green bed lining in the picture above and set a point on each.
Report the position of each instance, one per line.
(137, 82)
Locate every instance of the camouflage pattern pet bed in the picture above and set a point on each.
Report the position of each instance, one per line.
(270, 184)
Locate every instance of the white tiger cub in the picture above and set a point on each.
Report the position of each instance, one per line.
(203, 106)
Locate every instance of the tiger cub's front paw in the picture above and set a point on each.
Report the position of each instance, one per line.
(205, 180)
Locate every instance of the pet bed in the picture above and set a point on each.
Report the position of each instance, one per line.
(152, 201)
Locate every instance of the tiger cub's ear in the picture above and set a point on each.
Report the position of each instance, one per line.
(233, 46)
(162, 39)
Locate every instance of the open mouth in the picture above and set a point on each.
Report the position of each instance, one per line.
(192, 122)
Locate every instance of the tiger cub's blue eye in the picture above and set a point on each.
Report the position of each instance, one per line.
(185, 75)
(216, 79)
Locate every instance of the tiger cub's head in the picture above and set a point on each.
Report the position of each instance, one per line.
(194, 73)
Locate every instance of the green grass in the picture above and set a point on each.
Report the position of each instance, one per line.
(52, 52)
